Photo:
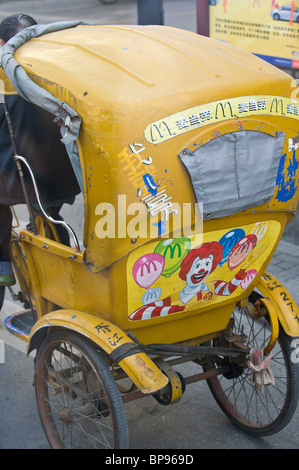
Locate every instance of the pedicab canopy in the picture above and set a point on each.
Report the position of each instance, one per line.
(155, 118)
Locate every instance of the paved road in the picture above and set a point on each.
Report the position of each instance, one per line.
(194, 423)
(177, 13)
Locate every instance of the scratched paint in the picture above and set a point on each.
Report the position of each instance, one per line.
(286, 177)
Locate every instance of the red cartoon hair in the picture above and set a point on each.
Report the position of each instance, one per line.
(203, 251)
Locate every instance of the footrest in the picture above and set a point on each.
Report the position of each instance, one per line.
(20, 324)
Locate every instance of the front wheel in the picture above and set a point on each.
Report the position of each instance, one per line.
(266, 411)
(78, 400)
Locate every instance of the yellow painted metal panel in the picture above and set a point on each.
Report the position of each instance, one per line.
(139, 87)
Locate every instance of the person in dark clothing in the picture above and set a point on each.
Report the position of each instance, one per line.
(38, 140)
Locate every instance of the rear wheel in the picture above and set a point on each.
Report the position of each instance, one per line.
(78, 400)
(259, 412)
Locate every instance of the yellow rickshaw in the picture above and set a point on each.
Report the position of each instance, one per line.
(186, 150)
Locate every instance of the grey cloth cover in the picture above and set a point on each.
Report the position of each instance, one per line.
(234, 171)
(26, 88)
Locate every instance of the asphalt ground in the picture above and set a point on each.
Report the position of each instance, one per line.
(177, 13)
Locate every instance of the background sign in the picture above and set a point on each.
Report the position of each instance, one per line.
(267, 28)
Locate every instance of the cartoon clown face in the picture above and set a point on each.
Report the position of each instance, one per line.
(196, 267)
(199, 271)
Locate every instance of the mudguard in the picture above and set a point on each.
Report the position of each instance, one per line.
(286, 309)
(141, 370)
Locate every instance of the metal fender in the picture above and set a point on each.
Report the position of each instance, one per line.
(287, 310)
(141, 370)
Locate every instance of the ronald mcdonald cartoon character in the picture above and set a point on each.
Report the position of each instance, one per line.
(195, 269)
(198, 264)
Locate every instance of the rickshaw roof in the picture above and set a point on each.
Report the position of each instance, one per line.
(125, 63)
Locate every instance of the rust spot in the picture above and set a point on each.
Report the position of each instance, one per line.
(147, 370)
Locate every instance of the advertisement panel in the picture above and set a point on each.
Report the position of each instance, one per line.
(267, 28)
